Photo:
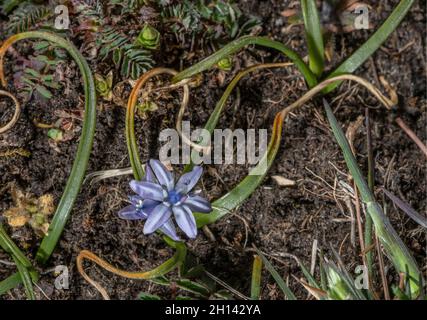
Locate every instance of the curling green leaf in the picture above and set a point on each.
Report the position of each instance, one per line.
(78, 170)
(234, 46)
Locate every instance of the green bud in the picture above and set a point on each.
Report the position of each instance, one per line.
(148, 38)
(225, 64)
(104, 86)
(338, 289)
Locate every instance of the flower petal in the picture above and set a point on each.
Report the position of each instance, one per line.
(130, 213)
(147, 190)
(136, 200)
(185, 220)
(149, 205)
(169, 229)
(198, 204)
(149, 174)
(157, 218)
(189, 180)
(164, 177)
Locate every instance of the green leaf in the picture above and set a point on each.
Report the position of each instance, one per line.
(26, 279)
(246, 187)
(10, 247)
(78, 170)
(313, 32)
(183, 298)
(193, 287)
(9, 5)
(236, 45)
(373, 43)
(280, 282)
(148, 296)
(40, 45)
(44, 91)
(14, 280)
(26, 274)
(32, 72)
(393, 245)
(311, 280)
(405, 207)
(10, 283)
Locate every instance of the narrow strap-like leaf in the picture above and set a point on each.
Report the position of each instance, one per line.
(238, 44)
(373, 43)
(10, 247)
(280, 282)
(26, 279)
(78, 170)
(414, 215)
(393, 245)
(313, 32)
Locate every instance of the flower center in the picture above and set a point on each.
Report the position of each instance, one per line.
(174, 197)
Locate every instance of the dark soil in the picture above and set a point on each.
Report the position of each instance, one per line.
(277, 220)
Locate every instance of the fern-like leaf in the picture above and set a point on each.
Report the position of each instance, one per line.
(27, 16)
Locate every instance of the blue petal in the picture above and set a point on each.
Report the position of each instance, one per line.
(147, 190)
(164, 177)
(189, 180)
(185, 220)
(149, 174)
(198, 204)
(157, 218)
(149, 205)
(130, 213)
(136, 200)
(169, 229)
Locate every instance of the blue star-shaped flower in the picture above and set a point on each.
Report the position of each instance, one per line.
(159, 197)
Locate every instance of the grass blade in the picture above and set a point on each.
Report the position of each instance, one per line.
(311, 280)
(313, 32)
(256, 278)
(280, 282)
(371, 178)
(26, 279)
(414, 215)
(373, 43)
(26, 274)
(9, 283)
(14, 280)
(10, 247)
(393, 245)
(346, 277)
